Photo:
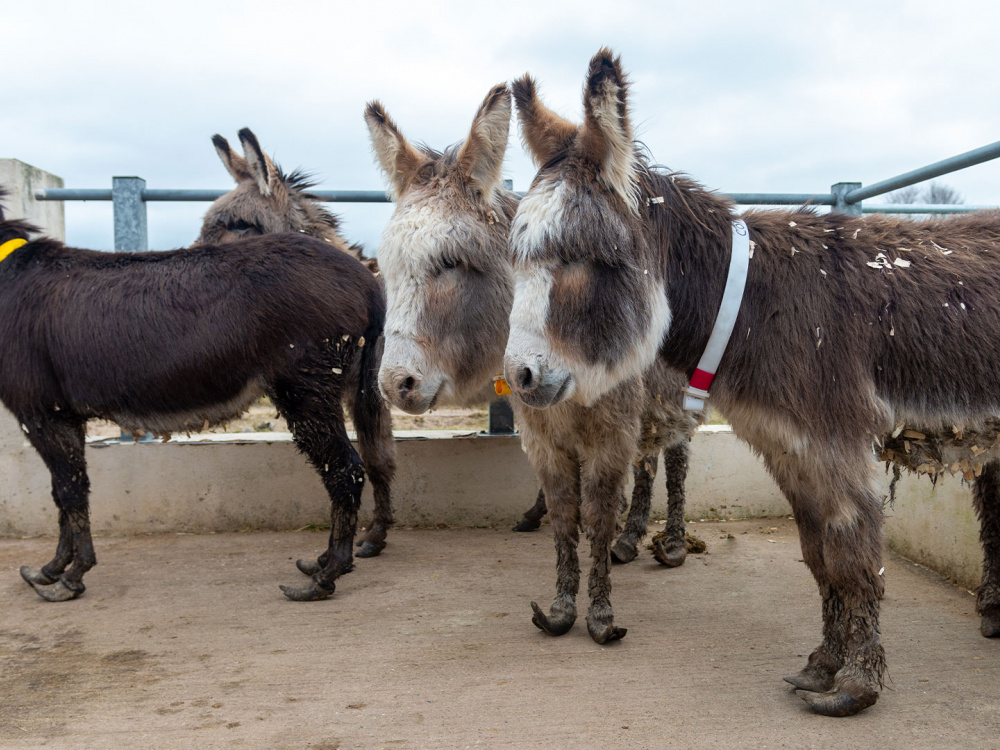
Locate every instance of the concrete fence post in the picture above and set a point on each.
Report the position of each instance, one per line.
(22, 181)
(501, 420)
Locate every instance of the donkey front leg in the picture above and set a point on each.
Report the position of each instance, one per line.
(986, 497)
(602, 494)
(561, 485)
(60, 443)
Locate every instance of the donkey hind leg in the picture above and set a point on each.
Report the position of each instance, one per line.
(533, 516)
(316, 419)
(378, 451)
(840, 530)
(60, 443)
(626, 546)
(986, 496)
(561, 484)
(670, 548)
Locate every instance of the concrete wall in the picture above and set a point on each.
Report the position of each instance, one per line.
(22, 180)
(259, 481)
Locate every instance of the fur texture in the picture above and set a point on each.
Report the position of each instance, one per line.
(450, 281)
(849, 326)
(172, 340)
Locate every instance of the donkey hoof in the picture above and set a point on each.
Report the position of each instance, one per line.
(528, 524)
(58, 591)
(607, 634)
(811, 680)
(670, 555)
(622, 552)
(837, 703)
(35, 577)
(556, 625)
(989, 625)
(308, 567)
(311, 592)
(369, 549)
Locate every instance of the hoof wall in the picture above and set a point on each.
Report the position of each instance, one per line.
(308, 567)
(312, 592)
(552, 626)
(35, 577)
(527, 524)
(608, 634)
(369, 549)
(58, 592)
(811, 681)
(837, 703)
(622, 553)
(669, 557)
(989, 626)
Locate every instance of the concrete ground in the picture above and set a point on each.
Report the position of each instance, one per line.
(185, 641)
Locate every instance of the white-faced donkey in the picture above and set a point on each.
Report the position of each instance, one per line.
(267, 201)
(447, 268)
(850, 329)
(176, 340)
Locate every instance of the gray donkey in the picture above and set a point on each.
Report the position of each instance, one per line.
(267, 201)
(447, 268)
(850, 329)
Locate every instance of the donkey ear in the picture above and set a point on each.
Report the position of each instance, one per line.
(397, 158)
(260, 166)
(545, 133)
(606, 135)
(480, 158)
(235, 164)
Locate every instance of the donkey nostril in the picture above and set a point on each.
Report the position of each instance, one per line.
(525, 378)
(407, 385)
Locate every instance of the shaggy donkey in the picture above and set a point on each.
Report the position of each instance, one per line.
(266, 201)
(848, 328)
(446, 264)
(178, 340)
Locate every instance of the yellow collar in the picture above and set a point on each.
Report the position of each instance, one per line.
(8, 247)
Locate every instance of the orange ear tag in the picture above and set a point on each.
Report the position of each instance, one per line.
(500, 386)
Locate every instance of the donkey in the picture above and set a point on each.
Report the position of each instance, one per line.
(446, 264)
(174, 341)
(267, 201)
(848, 330)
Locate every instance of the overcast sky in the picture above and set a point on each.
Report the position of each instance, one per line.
(770, 96)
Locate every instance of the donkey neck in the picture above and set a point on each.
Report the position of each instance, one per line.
(691, 232)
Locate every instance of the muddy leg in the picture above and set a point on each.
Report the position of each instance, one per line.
(315, 416)
(839, 516)
(671, 548)
(561, 483)
(626, 546)
(986, 498)
(59, 440)
(533, 516)
(378, 451)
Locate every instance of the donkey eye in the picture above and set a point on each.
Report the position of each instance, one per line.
(449, 263)
(243, 226)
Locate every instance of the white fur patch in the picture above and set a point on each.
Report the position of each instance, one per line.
(529, 342)
(539, 217)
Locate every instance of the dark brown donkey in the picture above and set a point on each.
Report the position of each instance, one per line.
(449, 280)
(171, 341)
(850, 330)
(267, 201)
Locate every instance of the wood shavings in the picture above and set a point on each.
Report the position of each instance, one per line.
(651, 201)
(913, 434)
(856, 231)
(794, 250)
(901, 263)
(942, 250)
(881, 261)
(753, 246)
(792, 224)
(819, 337)
(822, 272)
